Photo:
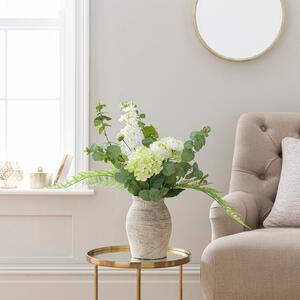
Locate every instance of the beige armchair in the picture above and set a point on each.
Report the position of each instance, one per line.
(264, 263)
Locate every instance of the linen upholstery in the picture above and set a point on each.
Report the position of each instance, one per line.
(286, 209)
(267, 258)
(263, 264)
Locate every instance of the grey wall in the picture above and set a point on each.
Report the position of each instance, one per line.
(148, 51)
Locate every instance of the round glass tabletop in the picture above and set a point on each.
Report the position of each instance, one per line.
(120, 257)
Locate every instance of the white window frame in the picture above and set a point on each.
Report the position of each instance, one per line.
(79, 61)
(82, 82)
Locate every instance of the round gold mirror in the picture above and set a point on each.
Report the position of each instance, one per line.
(239, 30)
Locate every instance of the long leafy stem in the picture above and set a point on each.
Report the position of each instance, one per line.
(178, 172)
(214, 194)
(92, 178)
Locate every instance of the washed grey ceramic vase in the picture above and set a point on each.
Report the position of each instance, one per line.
(148, 226)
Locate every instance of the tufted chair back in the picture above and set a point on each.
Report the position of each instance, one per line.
(257, 156)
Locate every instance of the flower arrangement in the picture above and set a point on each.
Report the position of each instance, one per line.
(146, 165)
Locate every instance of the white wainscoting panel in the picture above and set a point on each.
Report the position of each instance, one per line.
(77, 283)
(35, 236)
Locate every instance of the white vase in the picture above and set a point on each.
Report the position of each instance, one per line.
(148, 226)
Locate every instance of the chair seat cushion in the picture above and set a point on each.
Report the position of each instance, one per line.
(262, 264)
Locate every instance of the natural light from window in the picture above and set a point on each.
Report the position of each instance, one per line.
(37, 82)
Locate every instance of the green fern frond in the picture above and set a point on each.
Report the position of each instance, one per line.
(214, 194)
(106, 181)
(105, 178)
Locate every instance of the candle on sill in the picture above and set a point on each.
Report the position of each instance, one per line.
(40, 179)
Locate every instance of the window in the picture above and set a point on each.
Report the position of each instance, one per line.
(43, 82)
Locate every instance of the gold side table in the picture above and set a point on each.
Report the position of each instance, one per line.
(119, 257)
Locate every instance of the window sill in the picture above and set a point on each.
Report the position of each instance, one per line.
(48, 192)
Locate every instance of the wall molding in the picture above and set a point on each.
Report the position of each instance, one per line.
(76, 283)
(85, 274)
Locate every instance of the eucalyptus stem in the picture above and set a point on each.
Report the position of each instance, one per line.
(104, 130)
(105, 134)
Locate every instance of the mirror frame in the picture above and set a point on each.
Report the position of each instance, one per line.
(238, 59)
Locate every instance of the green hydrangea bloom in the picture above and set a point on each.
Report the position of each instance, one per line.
(144, 163)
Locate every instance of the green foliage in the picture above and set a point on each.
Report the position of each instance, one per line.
(154, 194)
(150, 131)
(148, 141)
(170, 181)
(134, 188)
(111, 153)
(150, 135)
(142, 116)
(115, 156)
(104, 178)
(183, 168)
(195, 144)
(169, 168)
(123, 176)
(214, 194)
(195, 173)
(174, 192)
(97, 152)
(187, 155)
(101, 120)
(157, 181)
(198, 138)
(188, 145)
(145, 195)
(177, 169)
(150, 195)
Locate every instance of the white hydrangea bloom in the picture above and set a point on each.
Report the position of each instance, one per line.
(144, 163)
(161, 149)
(168, 147)
(133, 135)
(173, 144)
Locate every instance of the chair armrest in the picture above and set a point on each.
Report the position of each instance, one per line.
(223, 225)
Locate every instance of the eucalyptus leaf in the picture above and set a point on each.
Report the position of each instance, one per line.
(122, 176)
(148, 141)
(101, 130)
(145, 195)
(150, 131)
(98, 156)
(187, 155)
(169, 168)
(174, 192)
(185, 166)
(134, 188)
(144, 185)
(171, 180)
(188, 145)
(157, 181)
(97, 122)
(196, 172)
(154, 194)
(113, 151)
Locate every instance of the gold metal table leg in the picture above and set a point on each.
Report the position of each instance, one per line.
(180, 282)
(138, 284)
(96, 282)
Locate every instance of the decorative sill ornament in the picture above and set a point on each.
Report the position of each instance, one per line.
(10, 174)
(40, 180)
(151, 169)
